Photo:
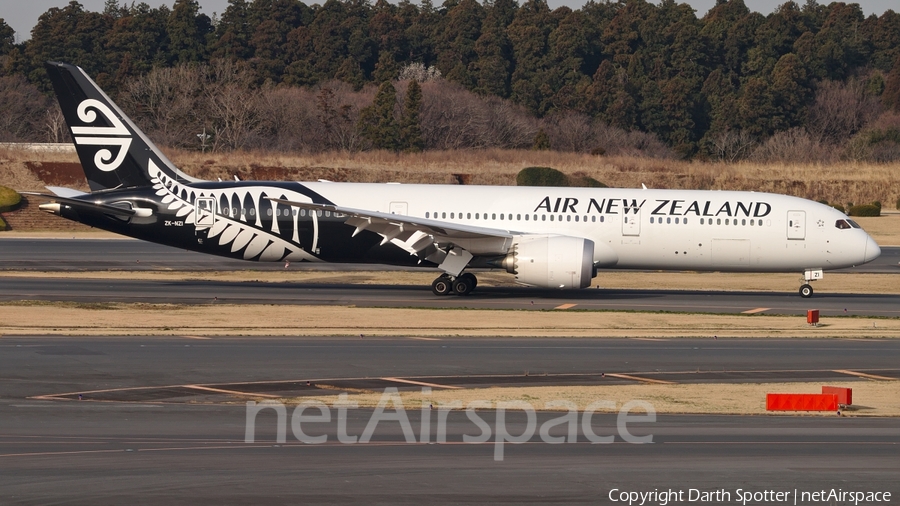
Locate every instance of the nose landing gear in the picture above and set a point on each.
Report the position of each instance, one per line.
(809, 276)
(460, 285)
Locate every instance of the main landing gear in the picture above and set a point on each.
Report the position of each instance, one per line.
(460, 285)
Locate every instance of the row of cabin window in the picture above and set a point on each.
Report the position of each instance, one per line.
(233, 212)
(703, 221)
(509, 217)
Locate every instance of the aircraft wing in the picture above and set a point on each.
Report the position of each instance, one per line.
(416, 234)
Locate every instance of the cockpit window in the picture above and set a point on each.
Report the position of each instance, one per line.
(853, 224)
(842, 224)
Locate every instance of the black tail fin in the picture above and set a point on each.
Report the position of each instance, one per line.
(114, 153)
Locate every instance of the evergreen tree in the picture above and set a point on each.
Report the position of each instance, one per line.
(232, 35)
(883, 33)
(455, 41)
(137, 41)
(187, 29)
(387, 29)
(377, 122)
(528, 34)
(571, 46)
(70, 34)
(410, 126)
(334, 45)
(491, 68)
(7, 38)
(756, 108)
(791, 92)
(774, 38)
(541, 141)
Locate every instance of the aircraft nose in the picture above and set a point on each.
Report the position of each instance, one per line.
(873, 251)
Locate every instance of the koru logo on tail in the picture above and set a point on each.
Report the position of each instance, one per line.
(115, 135)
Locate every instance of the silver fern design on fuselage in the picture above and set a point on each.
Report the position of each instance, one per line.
(232, 227)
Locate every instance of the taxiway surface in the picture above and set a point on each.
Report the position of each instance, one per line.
(57, 254)
(155, 451)
(114, 254)
(247, 292)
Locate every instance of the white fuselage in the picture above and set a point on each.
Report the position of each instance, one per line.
(642, 228)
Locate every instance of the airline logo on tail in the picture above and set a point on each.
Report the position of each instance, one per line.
(115, 135)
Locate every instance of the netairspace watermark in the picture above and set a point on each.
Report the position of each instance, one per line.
(390, 409)
(744, 497)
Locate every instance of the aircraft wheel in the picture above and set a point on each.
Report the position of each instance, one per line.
(471, 278)
(442, 286)
(462, 286)
(806, 291)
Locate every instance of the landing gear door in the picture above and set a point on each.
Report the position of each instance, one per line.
(631, 221)
(796, 225)
(205, 213)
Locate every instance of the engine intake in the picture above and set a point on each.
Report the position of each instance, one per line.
(551, 261)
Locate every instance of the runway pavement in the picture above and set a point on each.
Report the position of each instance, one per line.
(149, 439)
(184, 452)
(113, 254)
(56, 254)
(225, 292)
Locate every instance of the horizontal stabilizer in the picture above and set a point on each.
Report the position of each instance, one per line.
(62, 191)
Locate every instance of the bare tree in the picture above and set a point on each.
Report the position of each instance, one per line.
(55, 128)
(508, 125)
(731, 146)
(165, 103)
(841, 109)
(618, 142)
(419, 72)
(231, 105)
(287, 120)
(452, 117)
(796, 145)
(570, 131)
(23, 108)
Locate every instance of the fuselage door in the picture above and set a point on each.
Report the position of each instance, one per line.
(631, 221)
(205, 212)
(401, 208)
(796, 225)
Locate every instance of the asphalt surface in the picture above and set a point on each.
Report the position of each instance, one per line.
(219, 292)
(188, 452)
(152, 437)
(126, 254)
(112, 254)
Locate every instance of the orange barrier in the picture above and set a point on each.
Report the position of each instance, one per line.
(801, 402)
(812, 317)
(844, 395)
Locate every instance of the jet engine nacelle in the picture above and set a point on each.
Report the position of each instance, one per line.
(551, 261)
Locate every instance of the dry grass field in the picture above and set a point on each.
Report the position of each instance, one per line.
(870, 398)
(215, 319)
(843, 183)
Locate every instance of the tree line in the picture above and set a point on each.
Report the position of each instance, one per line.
(811, 82)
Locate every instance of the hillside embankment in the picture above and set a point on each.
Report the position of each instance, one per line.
(842, 183)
